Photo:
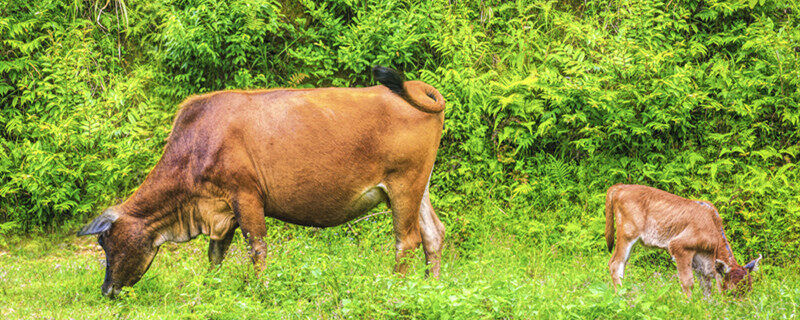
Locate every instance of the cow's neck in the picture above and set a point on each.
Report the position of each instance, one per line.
(171, 221)
(180, 225)
(185, 220)
(723, 250)
(160, 202)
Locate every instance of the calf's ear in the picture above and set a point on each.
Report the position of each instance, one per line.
(722, 267)
(99, 224)
(753, 265)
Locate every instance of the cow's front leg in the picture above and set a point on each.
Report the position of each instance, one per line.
(218, 248)
(705, 283)
(249, 212)
(683, 261)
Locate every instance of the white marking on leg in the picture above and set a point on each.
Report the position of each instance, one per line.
(426, 221)
(425, 212)
(625, 255)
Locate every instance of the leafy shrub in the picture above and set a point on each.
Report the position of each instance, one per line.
(549, 102)
(77, 126)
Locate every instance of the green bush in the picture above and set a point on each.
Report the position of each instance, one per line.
(78, 126)
(549, 102)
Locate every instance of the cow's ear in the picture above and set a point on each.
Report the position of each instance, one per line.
(99, 224)
(753, 265)
(722, 267)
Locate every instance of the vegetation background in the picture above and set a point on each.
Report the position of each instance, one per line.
(548, 104)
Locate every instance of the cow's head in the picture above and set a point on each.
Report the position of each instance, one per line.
(129, 251)
(736, 279)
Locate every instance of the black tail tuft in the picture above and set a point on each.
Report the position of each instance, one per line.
(389, 78)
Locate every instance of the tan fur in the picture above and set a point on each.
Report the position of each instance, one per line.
(690, 231)
(315, 157)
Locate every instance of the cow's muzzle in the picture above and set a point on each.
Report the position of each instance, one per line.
(109, 291)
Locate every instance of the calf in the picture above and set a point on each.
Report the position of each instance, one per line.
(314, 157)
(691, 231)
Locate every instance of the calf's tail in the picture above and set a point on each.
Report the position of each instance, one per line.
(610, 220)
(419, 94)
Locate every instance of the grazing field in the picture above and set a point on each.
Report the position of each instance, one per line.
(548, 104)
(333, 274)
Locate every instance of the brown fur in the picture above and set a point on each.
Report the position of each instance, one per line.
(690, 230)
(314, 157)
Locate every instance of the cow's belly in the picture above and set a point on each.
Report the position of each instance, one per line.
(652, 236)
(325, 208)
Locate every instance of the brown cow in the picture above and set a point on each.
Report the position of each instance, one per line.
(313, 157)
(691, 231)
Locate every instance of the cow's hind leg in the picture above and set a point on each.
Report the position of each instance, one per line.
(616, 266)
(405, 203)
(432, 232)
(703, 266)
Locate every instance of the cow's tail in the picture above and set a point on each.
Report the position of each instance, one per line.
(419, 94)
(610, 219)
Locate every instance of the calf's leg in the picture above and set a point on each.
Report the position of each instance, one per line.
(703, 265)
(432, 232)
(616, 266)
(683, 261)
(705, 283)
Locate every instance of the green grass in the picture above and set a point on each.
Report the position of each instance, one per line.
(330, 273)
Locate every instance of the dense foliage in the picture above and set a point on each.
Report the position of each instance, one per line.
(549, 102)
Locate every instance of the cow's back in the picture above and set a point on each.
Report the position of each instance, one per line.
(658, 216)
(309, 152)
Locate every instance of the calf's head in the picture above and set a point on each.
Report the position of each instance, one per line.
(129, 251)
(736, 279)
